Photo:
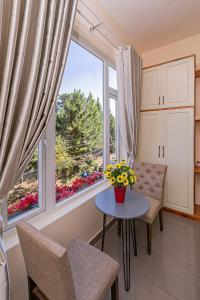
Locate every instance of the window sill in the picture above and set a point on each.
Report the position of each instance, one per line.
(45, 218)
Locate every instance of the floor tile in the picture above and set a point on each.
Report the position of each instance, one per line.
(183, 243)
(171, 272)
(174, 276)
(152, 292)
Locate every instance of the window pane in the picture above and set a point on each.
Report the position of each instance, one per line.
(112, 107)
(112, 78)
(24, 196)
(79, 123)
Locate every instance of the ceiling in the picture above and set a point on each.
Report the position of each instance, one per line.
(154, 23)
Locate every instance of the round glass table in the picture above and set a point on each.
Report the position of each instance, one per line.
(135, 206)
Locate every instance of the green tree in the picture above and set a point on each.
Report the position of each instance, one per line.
(112, 133)
(79, 120)
(32, 165)
(64, 163)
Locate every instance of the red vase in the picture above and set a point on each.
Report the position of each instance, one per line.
(120, 193)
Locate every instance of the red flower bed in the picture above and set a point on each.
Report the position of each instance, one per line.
(62, 192)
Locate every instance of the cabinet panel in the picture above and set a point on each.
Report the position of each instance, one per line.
(150, 88)
(178, 83)
(149, 137)
(178, 140)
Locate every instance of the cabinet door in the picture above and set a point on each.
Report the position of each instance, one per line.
(151, 81)
(149, 137)
(178, 142)
(178, 83)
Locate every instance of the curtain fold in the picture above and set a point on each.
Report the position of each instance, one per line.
(129, 73)
(34, 42)
(35, 37)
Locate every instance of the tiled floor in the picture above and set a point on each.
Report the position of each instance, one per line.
(173, 269)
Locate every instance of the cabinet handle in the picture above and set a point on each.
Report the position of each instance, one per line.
(159, 151)
(159, 99)
(163, 151)
(163, 98)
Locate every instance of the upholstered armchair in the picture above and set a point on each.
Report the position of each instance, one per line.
(151, 182)
(78, 272)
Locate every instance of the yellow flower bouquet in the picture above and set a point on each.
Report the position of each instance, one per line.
(120, 176)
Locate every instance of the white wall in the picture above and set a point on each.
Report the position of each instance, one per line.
(94, 12)
(172, 51)
(85, 221)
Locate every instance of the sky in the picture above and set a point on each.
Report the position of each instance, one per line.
(84, 71)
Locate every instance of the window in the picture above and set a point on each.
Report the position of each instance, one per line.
(25, 195)
(112, 135)
(79, 123)
(80, 139)
(113, 130)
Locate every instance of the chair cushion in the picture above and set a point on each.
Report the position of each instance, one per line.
(93, 271)
(155, 206)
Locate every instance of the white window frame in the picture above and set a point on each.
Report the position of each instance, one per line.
(113, 95)
(47, 164)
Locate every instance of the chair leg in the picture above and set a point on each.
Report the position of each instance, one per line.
(119, 227)
(149, 230)
(114, 290)
(161, 219)
(31, 286)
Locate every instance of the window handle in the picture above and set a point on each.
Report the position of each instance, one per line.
(159, 100)
(163, 98)
(163, 151)
(159, 151)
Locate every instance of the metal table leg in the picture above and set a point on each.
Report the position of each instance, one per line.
(103, 232)
(126, 236)
(133, 233)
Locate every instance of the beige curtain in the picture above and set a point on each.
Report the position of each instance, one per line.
(34, 41)
(35, 36)
(129, 71)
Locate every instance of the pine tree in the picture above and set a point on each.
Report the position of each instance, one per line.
(79, 120)
(112, 133)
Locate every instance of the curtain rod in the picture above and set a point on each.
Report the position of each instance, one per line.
(96, 27)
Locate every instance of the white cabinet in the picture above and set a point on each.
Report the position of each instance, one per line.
(168, 137)
(168, 85)
(151, 81)
(178, 83)
(178, 141)
(150, 124)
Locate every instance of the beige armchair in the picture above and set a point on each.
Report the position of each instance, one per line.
(151, 182)
(78, 272)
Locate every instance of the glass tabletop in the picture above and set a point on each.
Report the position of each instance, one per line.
(135, 205)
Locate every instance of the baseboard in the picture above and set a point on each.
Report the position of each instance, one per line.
(182, 214)
(97, 237)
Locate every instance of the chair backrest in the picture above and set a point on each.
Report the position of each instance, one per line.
(151, 179)
(46, 263)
